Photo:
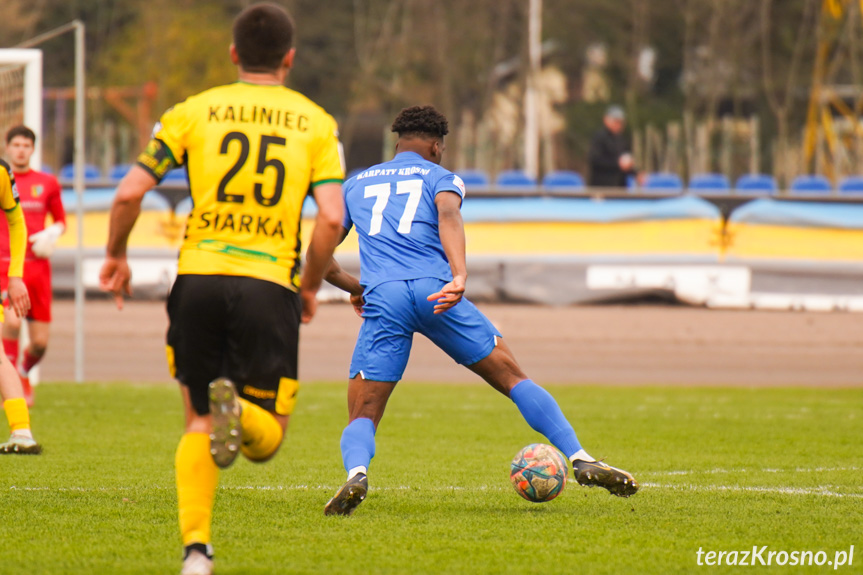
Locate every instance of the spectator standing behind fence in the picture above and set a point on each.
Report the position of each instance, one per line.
(611, 163)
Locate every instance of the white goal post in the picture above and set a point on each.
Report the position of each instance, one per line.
(24, 104)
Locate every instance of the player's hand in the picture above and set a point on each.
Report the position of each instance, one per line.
(115, 277)
(310, 304)
(449, 295)
(45, 241)
(19, 299)
(358, 302)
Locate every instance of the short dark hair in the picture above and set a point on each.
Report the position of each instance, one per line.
(21, 131)
(263, 34)
(421, 121)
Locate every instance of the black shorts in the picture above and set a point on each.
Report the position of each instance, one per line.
(241, 328)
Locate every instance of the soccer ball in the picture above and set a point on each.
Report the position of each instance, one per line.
(538, 472)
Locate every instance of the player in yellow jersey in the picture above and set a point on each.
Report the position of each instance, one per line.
(252, 150)
(11, 390)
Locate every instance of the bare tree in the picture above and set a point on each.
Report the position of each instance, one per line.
(781, 105)
(19, 20)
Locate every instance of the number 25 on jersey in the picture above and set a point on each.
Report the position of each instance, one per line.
(381, 193)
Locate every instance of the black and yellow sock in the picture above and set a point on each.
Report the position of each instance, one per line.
(262, 434)
(197, 479)
(17, 414)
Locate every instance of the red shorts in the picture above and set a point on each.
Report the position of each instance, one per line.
(37, 278)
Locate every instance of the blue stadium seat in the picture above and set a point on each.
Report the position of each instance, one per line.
(176, 176)
(814, 184)
(563, 180)
(119, 171)
(663, 182)
(851, 186)
(514, 179)
(474, 178)
(91, 172)
(709, 184)
(46, 170)
(756, 184)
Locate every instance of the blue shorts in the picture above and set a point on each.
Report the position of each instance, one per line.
(395, 310)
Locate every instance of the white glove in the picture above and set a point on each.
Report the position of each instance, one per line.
(44, 241)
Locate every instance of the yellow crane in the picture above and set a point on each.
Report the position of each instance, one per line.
(825, 144)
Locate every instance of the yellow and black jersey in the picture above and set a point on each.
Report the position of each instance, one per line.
(252, 152)
(8, 190)
(15, 218)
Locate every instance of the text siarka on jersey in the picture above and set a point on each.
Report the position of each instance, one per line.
(248, 223)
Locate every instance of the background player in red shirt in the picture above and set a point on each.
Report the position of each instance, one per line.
(39, 196)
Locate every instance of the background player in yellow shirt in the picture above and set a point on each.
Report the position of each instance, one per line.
(252, 151)
(11, 390)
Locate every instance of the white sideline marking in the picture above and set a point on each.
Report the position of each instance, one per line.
(258, 488)
(822, 491)
(745, 470)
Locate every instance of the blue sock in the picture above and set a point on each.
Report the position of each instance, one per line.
(358, 443)
(542, 413)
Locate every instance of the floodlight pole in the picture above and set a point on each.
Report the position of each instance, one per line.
(531, 99)
(79, 195)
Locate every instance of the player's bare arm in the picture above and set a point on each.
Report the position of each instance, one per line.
(19, 299)
(451, 229)
(325, 238)
(338, 277)
(115, 274)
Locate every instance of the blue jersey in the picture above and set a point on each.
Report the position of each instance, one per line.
(393, 208)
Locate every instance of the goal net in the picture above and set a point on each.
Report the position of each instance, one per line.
(21, 94)
(21, 103)
(11, 96)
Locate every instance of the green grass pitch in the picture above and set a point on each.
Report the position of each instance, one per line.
(722, 469)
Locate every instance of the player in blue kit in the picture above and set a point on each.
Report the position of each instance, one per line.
(407, 213)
